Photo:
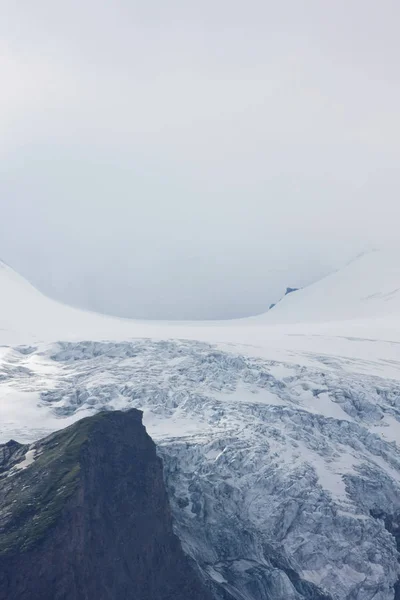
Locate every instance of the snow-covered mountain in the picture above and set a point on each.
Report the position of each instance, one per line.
(368, 287)
(280, 434)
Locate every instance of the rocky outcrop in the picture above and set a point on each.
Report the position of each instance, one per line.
(289, 290)
(84, 515)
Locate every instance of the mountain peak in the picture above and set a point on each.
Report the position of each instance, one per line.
(85, 514)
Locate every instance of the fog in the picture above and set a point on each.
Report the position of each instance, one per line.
(180, 160)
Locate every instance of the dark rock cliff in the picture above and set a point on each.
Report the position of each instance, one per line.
(84, 515)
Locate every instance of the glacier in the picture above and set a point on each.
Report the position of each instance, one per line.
(281, 441)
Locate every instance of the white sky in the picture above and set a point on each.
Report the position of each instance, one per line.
(191, 160)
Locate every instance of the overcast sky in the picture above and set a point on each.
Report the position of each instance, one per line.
(175, 159)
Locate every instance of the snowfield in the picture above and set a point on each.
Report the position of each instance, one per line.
(368, 287)
(281, 440)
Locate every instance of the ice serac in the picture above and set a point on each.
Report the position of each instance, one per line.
(84, 514)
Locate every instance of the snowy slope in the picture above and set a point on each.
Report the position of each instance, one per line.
(281, 440)
(28, 317)
(368, 287)
(25, 313)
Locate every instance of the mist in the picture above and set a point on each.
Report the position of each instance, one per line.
(163, 160)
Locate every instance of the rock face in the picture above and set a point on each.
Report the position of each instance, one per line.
(84, 515)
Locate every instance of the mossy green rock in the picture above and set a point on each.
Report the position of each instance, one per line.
(32, 497)
(84, 514)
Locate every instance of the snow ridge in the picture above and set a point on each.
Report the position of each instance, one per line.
(367, 287)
